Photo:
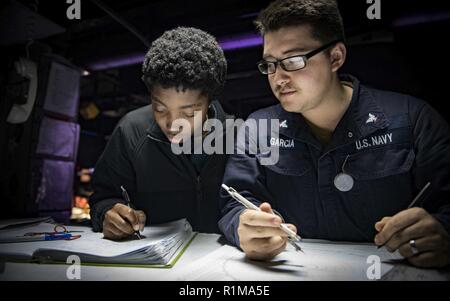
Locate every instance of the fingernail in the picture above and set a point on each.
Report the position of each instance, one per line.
(276, 221)
(136, 227)
(377, 240)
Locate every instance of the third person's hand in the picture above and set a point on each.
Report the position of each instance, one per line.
(431, 239)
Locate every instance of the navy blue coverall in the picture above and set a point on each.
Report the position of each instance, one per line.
(394, 144)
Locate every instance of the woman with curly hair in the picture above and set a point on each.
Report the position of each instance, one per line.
(184, 71)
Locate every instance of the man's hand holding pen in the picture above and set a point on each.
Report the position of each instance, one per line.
(260, 235)
(417, 235)
(122, 221)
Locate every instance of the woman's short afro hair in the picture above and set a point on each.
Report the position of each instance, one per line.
(186, 58)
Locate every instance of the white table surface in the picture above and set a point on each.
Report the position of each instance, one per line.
(200, 246)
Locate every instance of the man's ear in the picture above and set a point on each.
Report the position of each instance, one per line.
(338, 55)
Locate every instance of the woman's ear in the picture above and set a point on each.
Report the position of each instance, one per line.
(338, 55)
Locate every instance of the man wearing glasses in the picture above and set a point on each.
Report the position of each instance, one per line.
(354, 159)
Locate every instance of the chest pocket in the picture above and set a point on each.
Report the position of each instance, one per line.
(380, 162)
(291, 162)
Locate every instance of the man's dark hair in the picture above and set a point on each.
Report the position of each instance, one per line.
(186, 58)
(321, 15)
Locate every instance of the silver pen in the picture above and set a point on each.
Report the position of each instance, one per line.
(293, 238)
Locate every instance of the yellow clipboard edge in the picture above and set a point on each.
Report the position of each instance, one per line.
(174, 260)
(169, 265)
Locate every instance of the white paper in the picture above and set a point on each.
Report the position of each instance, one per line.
(321, 261)
(23, 221)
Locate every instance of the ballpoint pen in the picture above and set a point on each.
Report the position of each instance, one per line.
(414, 202)
(127, 199)
(293, 238)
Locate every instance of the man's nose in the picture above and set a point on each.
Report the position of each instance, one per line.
(281, 77)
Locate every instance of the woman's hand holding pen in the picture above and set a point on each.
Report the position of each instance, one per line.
(260, 235)
(122, 221)
(431, 240)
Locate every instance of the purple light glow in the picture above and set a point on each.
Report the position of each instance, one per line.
(230, 43)
(241, 41)
(116, 62)
(421, 19)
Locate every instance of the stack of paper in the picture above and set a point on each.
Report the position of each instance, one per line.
(161, 246)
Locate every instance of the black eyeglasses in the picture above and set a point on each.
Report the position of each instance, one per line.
(291, 63)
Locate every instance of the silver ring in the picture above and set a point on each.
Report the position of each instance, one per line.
(413, 245)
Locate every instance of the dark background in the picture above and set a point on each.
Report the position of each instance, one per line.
(406, 51)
